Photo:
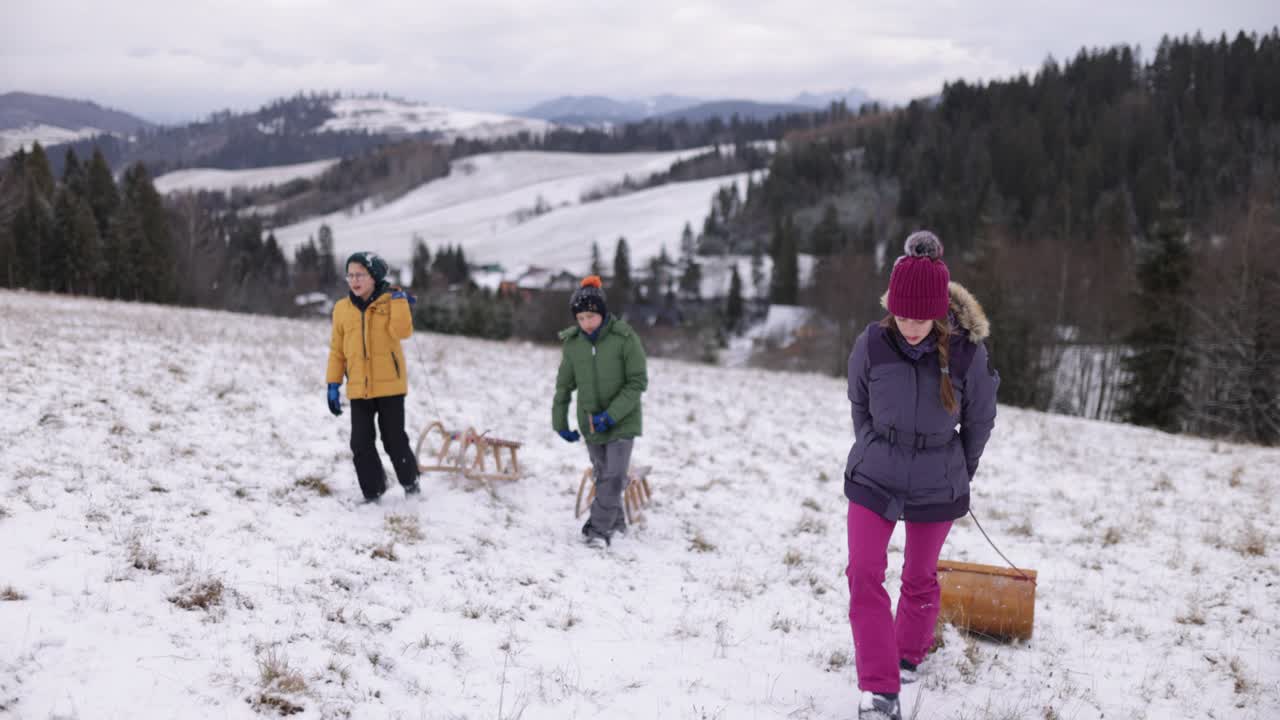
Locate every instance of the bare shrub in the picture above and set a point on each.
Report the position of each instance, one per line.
(10, 594)
(810, 524)
(275, 673)
(1251, 542)
(314, 483)
(700, 544)
(1023, 528)
(1242, 682)
(1237, 476)
(1194, 614)
(385, 552)
(404, 528)
(141, 557)
(199, 595)
(837, 660)
(281, 706)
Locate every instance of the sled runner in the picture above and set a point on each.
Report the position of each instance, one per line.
(997, 602)
(635, 497)
(467, 453)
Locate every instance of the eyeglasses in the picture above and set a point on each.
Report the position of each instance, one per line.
(352, 277)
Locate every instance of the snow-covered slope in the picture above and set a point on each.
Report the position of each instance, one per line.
(226, 180)
(487, 205)
(23, 137)
(180, 540)
(385, 115)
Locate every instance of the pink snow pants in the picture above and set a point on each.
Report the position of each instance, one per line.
(880, 640)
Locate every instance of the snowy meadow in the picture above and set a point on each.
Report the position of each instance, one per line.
(182, 539)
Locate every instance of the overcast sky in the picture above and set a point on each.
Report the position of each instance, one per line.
(171, 60)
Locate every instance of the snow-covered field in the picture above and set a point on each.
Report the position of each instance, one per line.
(180, 540)
(225, 180)
(385, 115)
(485, 205)
(12, 139)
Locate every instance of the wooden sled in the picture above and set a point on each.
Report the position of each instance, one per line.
(467, 453)
(995, 602)
(636, 496)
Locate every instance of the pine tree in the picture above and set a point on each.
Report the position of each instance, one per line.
(33, 233)
(757, 269)
(621, 292)
(120, 270)
(61, 258)
(420, 264)
(461, 270)
(104, 197)
(1159, 362)
(331, 274)
(733, 307)
(690, 270)
(306, 266)
(39, 172)
(827, 236)
(74, 175)
(597, 266)
(153, 252)
(785, 285)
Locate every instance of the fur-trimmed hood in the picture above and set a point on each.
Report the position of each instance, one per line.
(966, 309)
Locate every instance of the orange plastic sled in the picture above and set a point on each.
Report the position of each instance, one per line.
(997, 602)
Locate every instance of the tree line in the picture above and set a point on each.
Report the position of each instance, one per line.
(1118, 218)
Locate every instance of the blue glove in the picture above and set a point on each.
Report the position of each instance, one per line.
(402, 295)
(335, 406)
(602, 422)
(569, 435)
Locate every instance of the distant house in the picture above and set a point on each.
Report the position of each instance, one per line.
(669, 315)
(316, 303)
(539, 279)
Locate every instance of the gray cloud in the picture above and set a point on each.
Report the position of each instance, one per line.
(182, 60)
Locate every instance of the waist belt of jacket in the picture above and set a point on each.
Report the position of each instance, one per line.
(919, 441)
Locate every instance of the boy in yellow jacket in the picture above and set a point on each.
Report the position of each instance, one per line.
(368, 326)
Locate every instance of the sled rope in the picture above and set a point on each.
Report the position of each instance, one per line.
(1002, 555)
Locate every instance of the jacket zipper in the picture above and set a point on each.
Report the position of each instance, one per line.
(595, 380)
(915, 427)
(364, 343)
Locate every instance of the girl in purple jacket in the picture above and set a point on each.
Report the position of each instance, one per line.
(924, 401)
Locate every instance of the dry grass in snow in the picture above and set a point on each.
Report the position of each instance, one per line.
(182, 539)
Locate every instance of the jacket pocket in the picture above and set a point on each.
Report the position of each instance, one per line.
(384, 367)
(396, 364)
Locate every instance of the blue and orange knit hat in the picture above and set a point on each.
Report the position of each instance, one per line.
(589, 297)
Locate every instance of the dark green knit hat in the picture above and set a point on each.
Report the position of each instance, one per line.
(371, 261)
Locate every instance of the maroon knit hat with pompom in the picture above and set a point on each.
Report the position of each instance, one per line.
(918, 284)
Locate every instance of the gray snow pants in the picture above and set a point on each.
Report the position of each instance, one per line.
(610, 463)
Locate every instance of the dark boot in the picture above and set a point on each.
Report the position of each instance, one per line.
(593, 537)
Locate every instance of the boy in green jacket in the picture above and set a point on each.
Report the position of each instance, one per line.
(603, 360)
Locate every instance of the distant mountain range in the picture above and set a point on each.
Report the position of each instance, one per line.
(304, 128)
(27, 117)
(600, 110)
(307, 128)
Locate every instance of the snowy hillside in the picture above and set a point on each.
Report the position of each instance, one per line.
(181, 540)
(215, 179)
(384, 115)
(488, 205)
(13, 139)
